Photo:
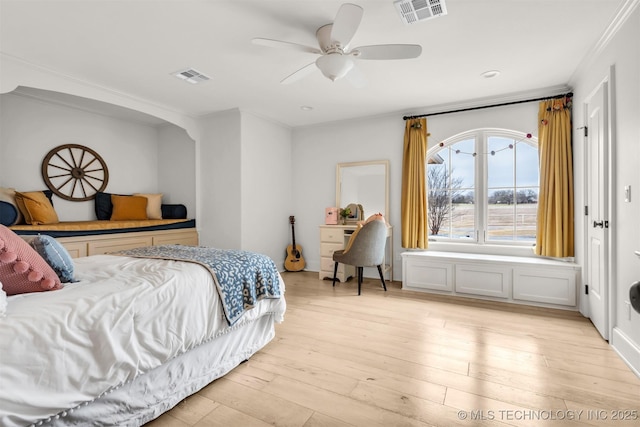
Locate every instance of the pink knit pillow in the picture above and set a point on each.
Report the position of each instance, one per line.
(22, 269)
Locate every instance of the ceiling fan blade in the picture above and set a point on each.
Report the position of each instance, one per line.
(388, 51)
(346, 23)
(285, 45)
(356, 77)
(299, 74)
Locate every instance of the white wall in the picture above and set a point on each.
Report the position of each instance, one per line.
(317, 150)
(218, 180)
(245, 183)
(623, 54)
(176, 171)
(266, 187)
(31, 127)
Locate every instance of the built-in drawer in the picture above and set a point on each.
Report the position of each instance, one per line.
(180, 237)
(105, 246)
(76, 249)
(332, 235)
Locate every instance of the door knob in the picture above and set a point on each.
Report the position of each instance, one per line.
(598, 224)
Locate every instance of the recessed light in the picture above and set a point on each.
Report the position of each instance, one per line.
(490, 74)
(306, 108)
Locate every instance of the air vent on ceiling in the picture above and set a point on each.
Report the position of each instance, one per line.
(192, 76)
(412, 11)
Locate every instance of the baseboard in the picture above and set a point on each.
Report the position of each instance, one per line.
(626, 349)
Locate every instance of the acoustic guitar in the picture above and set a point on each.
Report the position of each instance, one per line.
(294, 260)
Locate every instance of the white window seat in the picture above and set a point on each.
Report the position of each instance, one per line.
(522, 280)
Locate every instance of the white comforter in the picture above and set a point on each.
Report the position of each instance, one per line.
(123, 318)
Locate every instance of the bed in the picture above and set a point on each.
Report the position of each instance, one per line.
(132, 337)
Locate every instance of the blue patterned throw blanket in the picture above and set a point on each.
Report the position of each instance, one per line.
(242, 278)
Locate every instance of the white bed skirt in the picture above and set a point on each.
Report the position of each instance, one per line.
(157, 391)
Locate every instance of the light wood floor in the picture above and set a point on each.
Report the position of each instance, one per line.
(411, 359)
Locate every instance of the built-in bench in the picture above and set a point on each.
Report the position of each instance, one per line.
(166, 223)
(525, 280)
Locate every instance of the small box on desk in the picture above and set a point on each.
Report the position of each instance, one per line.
(331, 216)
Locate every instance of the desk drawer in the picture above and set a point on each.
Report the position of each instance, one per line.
(332, 235)
(327, 265)
(327, 249)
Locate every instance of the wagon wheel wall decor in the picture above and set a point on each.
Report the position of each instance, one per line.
(75, 172)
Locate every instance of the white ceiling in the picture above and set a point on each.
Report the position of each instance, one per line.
(133, 47)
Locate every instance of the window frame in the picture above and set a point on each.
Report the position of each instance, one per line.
(481, 181)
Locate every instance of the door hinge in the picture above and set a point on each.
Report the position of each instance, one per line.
(586, 210)
(586, 289)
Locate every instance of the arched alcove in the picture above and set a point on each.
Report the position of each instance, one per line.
(144, 152)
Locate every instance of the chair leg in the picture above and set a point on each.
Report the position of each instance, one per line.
(382, 277)
(360, 270)
(335, 273)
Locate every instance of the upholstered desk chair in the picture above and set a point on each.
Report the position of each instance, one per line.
(365, 249)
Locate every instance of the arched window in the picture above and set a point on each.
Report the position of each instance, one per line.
(483, 187)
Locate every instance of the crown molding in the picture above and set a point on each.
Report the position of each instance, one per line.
(626, 9)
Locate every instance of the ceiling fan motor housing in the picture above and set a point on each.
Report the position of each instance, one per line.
(327, 45)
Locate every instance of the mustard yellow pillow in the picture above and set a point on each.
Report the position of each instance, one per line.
(128, 207)
(154, 205)
(36, 208)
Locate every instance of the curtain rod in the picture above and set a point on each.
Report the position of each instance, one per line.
(566, 95)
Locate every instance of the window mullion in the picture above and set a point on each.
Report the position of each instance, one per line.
(481, 188)
(515, 193)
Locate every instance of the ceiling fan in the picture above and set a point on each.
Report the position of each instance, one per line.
(336, 59)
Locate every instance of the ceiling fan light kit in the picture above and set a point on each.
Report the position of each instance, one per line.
(334, 65)
(336, 60)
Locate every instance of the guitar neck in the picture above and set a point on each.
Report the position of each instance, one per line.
(293, 236)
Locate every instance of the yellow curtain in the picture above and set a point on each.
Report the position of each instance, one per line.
(555, 204)
(414, 191)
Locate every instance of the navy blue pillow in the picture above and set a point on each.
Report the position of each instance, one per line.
(8, 213)
(103, 206)
(49, 195)
(173, 211)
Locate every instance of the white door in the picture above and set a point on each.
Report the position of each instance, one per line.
(597, 199)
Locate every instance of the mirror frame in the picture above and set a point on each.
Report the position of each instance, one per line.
(384, 163)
